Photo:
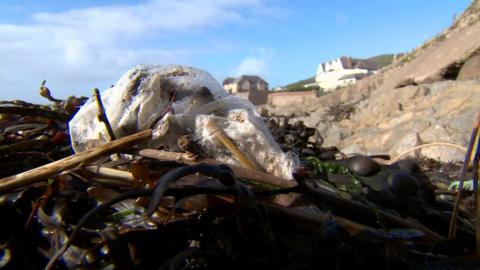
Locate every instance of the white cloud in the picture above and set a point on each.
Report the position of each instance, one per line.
(252, 66)
(82, 48)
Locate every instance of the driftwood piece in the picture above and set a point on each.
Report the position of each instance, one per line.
(258, 176)
(408, 151)
(22, 145)
(239, 171)
(106, 172)
(45, 92)
(43, 172)
(111, 182)
(221, 136)
(102, 115)
(163, 155)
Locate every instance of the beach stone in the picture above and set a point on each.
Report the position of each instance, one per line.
(407, 142)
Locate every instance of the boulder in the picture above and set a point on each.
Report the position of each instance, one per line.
(436, 112)
(470, 69)
(407, 142)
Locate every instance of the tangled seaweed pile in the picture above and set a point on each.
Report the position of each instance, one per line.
(163, 210)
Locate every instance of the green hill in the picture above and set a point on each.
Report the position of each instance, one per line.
(298, 86)
(381, 60)
(378, 61)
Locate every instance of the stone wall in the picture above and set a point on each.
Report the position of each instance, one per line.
(287, 98)
(256, 97)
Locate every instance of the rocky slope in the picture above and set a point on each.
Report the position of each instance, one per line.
(429, 95)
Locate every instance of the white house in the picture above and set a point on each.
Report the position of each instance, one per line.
(341, 72)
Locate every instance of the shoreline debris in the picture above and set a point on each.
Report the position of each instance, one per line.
(179, 208)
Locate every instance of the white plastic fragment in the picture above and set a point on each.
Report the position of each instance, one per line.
(142, 98)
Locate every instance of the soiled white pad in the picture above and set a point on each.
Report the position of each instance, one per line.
(142, 98)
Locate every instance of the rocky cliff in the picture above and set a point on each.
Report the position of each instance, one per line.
(430, 95)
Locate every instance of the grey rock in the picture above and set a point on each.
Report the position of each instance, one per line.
(470, 69)
(407, 142)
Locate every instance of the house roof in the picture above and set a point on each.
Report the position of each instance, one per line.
(251, 78)
(346, 62)
(365, 64)
(349, 63)
(228, 80)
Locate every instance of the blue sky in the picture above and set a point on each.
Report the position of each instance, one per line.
(79, 45)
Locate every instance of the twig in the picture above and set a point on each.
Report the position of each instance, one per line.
(163, 155)
(475, 167)
(110, 173)
(231, 146)
(43, 172)
(101, 115)
(28, 144)
(476, 163)
(110, 182)
(258, 176)
(240, 172)
(17, 103)
(461, 148)
(466, 162)
(45, 92)
(38, 112)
